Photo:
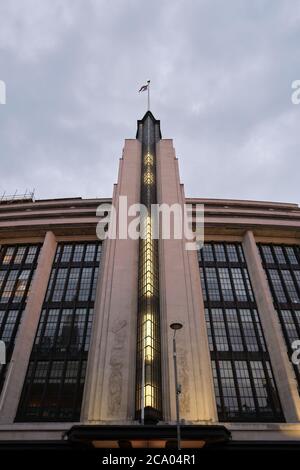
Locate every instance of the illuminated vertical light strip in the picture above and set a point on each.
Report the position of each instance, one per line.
(148, 375)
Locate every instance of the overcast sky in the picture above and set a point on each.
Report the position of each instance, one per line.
(221, 74)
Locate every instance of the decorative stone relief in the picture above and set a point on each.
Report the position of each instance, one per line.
(116, 364)
(183, 379)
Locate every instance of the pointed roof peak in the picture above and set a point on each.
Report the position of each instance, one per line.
(148, 114)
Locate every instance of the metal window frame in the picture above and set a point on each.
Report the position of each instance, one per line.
(288, 305)
(11, 304)
(245, 355)
(55, 352)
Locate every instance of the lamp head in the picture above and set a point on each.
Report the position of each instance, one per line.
(176, 326)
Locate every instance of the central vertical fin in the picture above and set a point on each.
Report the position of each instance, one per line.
(148, 366)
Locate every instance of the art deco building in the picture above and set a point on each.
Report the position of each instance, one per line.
(87, 323)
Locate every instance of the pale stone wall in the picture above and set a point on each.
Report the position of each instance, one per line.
(110, 381)
(181, 300)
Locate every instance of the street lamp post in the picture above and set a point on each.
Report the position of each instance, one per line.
(175, 327)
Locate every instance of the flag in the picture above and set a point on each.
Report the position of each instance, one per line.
(144, 88)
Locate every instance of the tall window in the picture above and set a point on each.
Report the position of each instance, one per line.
(55, 377)
(17, 265)
(282, 267)
(243, 379)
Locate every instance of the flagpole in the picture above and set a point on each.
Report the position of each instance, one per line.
(148, 81)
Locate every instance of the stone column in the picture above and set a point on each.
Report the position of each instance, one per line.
(17, 367)
(181, 301)
(282, 368)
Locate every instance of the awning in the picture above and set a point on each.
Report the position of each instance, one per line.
(141, 436)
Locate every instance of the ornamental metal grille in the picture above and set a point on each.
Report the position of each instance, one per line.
(17, 266)
(54, 382)
(148, 361)
(282, 267)
(244, 384)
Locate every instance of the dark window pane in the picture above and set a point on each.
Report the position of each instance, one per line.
(225, 282)
(291, 254)
(66, 253)
(207, 253)
(78, 253)
(220, 252)
(232, 253)
(279, 255)
(90, 252)
(212, 284)
(277, 285)
(267, 253)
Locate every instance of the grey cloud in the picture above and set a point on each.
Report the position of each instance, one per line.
(221, 75)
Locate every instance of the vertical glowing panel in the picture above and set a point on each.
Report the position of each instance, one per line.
(148, 370)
